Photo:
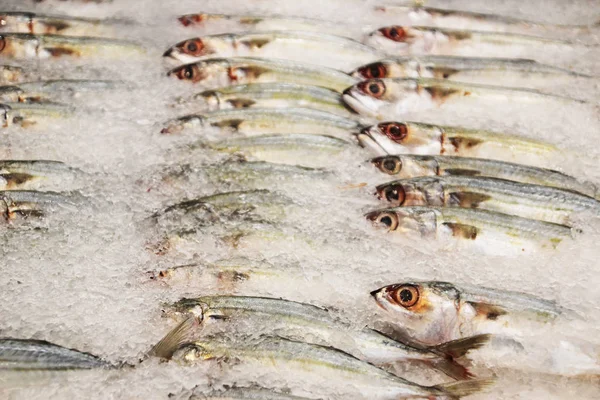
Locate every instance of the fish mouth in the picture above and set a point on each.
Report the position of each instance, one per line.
(366, 140)
(351, 99)
(375, 292)
(168, 53)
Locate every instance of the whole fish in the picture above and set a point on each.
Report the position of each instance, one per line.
(426, 139)
(220, 72)
(280, 354)
(241, 393)
(29, 92)
(516, 72)
(411, 166)
(30, 114)
(28, 22)
(434, 312)
(273, 95)
(289, 318)
(257, 23)
(495, 232)
(255, 121)
(521, 199)
(29, 354)
(25, 45)
(421, 40)
(11, 74)
(394, 96)
(33, 174)
(322, 49)
(29, 203)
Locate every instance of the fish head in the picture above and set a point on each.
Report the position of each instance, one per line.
(391, 165)
(404, 67)
(422, 191)
(368, 97)
(196, 307)
(387, 97)
(194, 19)
(18, 46)
(209, 73)
(209, 99)
(376, 70)
(190, 50)
(394, 39)
(409, 220)
(180, 124)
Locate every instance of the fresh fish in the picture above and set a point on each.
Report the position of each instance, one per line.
(411, 166)
(28, 355)
(11, 74)
(418, 138)
(521, 199)
(28, 22)
(496, 232)
(241, 393)
(291, 319)
(221, 72)
(25, 45)
(26, 203)
(280, 354)
(273, 95)
(33, 174)
(421, 40)
(258, 23)
(433, 312)
(255, 121)
(394, 96)
(29, 114)
(28, 92)
(516, 72)
(322, 49)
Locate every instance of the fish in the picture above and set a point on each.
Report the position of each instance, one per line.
(255, 121)
(28, 46)
(281, 354)
(11, 74)
(395, 96)
(42, 91)
(497, 233)
(273, 95)
(422, 40)
(241, 393)
(410, 166)
(515, 72)
(520, 199)
(427, 139)
(30, 114)
(322, 49)
(34, 174)
(39, 24)
(288, 318)
(30, 355)
(221, 72)
(433, 312)
(29, 203)
(258, 23)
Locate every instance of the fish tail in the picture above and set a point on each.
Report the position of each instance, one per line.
(460, 347)
(181, 334)
(456, 390)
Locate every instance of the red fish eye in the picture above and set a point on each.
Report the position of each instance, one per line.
(374, 88)
(187, 72)
(406, 295)
(187, 20)
(193, 47)
(394, 194)
(395, 33)
(376, 70)
(394, 130)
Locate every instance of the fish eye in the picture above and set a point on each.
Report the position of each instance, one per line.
(188, 72)
(391, 165)
(193, 47)
(375, 70)
(2, 43)
(395, 33)
(394, 194)
(374, 88)
(406, 295)
(388, 219)
(394, 130)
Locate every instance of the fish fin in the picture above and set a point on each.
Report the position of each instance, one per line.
(468, 199)
(460, 347)
(16, 179)
(180, 335)
(251, 72)
(441, 94)
(462, 171)
(444, 72)
(460, 35)
(60, 51)
(464, 143)
(463, 230)
(229, 123)
(488, 311)
(452, 368)
(456, 390)
(255, 43)
(393, 332)
(241, 103)
(57, 25)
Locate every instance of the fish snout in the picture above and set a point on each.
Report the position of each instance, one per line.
(168, 53)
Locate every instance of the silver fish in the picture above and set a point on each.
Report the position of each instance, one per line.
(28, 22)
(410, 166)
(221, 72)
(433, 312)
(28, 203)
(241, 393)
(322, 49)
(28, 92)
(33, 174)
(272, 95)
(31, 114)
(255, 121)
(521, 199)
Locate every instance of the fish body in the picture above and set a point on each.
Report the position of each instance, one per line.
(434, 311)
(256, 121)
(396, 96)
(321, 49)
(11, 74)
(26, 203)
(33, 174)
(29, 355)
(516, 72)
(30, 114)
(242, 393)
(525, 200)
(27, 46)
(39, 24)
(405, 166)
(28, 92)
(222, 72)
(492, 231)
(273, 95)
(426, 139)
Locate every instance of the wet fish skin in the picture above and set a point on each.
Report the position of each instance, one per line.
(520, 199)
(290, 45)
(30, 114)
(42, 91)
(23, 174)
(220, 72)
(28, 355)
(434, 311)
(33, 23)
(405, 166)
(242, 393)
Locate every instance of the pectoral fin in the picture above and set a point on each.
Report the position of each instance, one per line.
(60, 51)
(462, 171)
(488, 311)
(241, 103)
(467, 199)
(464, 143)
(233, 124)
(463, 231)
(255, 43)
